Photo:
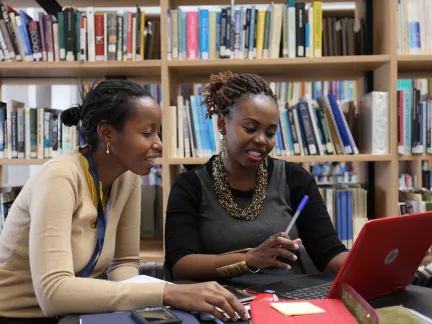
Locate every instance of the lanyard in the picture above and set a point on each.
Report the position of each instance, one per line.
(101, 219)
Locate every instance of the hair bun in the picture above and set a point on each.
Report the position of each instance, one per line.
(71, 116)
(219, 80)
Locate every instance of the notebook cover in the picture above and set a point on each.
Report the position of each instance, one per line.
(335, 313)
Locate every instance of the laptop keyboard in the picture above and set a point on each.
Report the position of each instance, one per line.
(315, 292)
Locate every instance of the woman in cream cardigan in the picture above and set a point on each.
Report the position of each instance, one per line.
(79, 216)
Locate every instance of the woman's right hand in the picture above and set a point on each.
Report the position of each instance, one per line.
(204, 297)
(264, 256)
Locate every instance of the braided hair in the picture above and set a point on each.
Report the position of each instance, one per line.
(225, 88)
(109, 102)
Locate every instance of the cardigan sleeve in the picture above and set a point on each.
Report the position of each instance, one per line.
(125, 263)
(57, 289)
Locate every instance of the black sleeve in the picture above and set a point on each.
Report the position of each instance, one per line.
(181, 224)
(315, 227)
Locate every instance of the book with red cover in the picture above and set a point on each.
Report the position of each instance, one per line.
(335, 313)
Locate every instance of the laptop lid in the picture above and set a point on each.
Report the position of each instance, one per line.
(385, 256)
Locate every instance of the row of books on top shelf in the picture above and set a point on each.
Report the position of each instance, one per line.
(347, 207)
(73, 35)
(413, 28)
(38, 133)
(7, 197)
(329, 173)
(414, 107)
(295, 29)
(411, 198)
(323, 125)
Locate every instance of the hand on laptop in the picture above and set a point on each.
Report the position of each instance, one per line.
(204, 297)
(264, 255)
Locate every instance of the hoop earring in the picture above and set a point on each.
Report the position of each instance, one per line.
(108, 148)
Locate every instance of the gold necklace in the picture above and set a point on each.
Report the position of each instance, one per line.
(226, 197)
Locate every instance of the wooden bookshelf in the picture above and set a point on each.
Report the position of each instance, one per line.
(410, 64)
(384, 66)
(418, 157)
(86, 3)
(289, 68)
(302, 159)
(15, 162)
(41, 70)
(151, 250)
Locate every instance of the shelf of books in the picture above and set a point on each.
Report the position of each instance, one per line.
(414, 106)
(334, 76)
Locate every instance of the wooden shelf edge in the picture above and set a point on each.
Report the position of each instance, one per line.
(64, 64)
(86, 3)
(151, 250)
(13, 162)
(70, 70)
(302, 159)
(413, 58)
(359, 59)
(415, 157)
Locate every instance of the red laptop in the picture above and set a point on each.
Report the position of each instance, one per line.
(383, 260)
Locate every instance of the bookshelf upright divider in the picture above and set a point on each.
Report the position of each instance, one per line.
(382, 68)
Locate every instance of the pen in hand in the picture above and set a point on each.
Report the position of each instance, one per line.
(300, 208)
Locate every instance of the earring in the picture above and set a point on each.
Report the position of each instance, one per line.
(223, 147)
(108, 148)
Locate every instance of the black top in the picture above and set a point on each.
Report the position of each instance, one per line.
(314, 225)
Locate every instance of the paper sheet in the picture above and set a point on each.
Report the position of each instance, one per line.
(144, 279)
(296, 308)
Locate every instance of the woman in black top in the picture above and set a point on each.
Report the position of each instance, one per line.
(227, 217)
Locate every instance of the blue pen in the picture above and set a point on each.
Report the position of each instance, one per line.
(300, 208)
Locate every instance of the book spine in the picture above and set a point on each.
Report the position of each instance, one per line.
(300, 29)
(56, 42)
(69, 31)
(228, 39)
(99, 36)
(119, 38)
(292, 42)
(7, 41)
(175, 34)
(112, 36)
(61, 36)
(49, 39)
(192, 35)
(212, 35)
(251, 33)
(10, 32)
(129, 35)
(35, 40)
(77, 26)
(137, 34)
(20, 133)
(83, 39)
(317, 28)
(21, 31)
(204, 34)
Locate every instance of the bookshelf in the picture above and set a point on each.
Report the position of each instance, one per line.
(383, 68)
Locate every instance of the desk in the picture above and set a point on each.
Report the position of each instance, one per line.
(414, 297)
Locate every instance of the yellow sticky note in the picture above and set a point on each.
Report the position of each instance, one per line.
(296, 308)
